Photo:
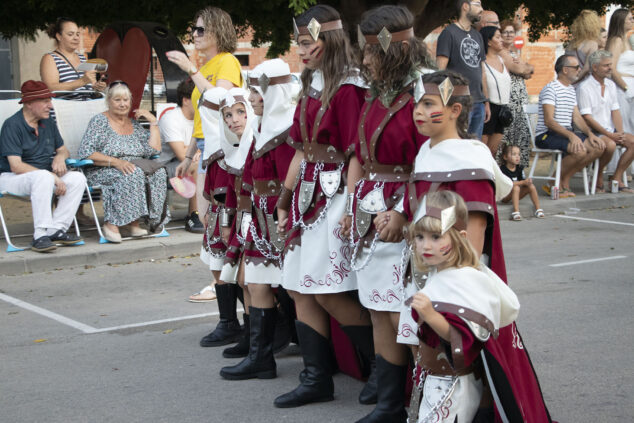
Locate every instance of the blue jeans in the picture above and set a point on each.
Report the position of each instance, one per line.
(476, 120)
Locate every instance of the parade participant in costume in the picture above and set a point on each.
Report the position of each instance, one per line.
(271, 95)
(459, 308)
(380, 167)
(316, 267)
(450, 162)
(214, 37)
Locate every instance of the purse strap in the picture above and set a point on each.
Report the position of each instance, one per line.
(495, 79)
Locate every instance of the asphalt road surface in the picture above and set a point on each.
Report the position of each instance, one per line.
(120, 343)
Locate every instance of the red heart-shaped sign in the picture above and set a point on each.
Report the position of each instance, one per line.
(128, 61)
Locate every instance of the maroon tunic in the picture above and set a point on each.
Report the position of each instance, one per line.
(269, 167)
(396, 145)
(212, 239)
(238, 200)
(338, 127)
(509, 362)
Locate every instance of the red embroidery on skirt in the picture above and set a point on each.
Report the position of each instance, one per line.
(406, 331)
(340, 271)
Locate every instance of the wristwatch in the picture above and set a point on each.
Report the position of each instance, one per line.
(192, 70)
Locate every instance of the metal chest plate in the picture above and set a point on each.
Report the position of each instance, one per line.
(245, 224)
(362, 222)
(373, 202)
(274, 236)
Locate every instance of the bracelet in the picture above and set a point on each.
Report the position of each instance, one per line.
(192, 70)
(284, 199)
(109, 162)
(349, 204)
(153, 123)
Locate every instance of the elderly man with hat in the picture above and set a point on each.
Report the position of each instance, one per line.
(32, 162)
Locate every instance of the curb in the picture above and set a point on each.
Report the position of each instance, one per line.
(181, 243)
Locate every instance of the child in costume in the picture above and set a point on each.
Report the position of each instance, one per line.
(316, 269)
(386, 147)
(271, 94)
(512, 168)
(214, 249)
(448, 161)
(459, 307)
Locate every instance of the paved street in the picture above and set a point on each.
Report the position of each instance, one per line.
(119, 343)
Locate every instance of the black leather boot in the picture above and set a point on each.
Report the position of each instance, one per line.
(260, 362)
(390, 407)
(241, 349)
(228, 329)
(317, 385)
(362, 339)
(283, 332)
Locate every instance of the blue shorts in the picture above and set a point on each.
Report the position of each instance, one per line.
(200, 143)
(553, 141)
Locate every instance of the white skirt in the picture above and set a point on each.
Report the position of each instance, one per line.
(380, 281)
(262, 274)
(214, 263)
(461, 405)
(229, 273)
(321, 264)
(407, 326)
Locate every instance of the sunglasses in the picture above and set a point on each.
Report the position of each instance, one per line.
(115, 83)
(574, 67)
(198, 29)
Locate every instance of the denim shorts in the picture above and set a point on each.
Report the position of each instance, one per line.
(200, 143)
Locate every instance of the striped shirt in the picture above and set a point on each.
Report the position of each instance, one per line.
(564, 98)
(67, 73)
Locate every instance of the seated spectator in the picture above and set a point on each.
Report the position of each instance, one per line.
(32, 162)
(557, 112)
(132, 188)
(512, 168)
(176, 126)
(599, 106)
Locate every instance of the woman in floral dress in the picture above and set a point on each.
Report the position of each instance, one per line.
(113, 140)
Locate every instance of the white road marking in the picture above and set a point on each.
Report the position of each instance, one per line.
(594, 220)
(89, 329)
(46, 313)
(572, 263)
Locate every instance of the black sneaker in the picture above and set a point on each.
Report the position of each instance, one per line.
(64, 238)
(43, 245)
(193, 224)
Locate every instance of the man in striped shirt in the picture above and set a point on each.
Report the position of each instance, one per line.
(557, 112)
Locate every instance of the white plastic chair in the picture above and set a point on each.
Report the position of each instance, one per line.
(555, 156)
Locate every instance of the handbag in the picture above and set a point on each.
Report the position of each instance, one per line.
(505, 115)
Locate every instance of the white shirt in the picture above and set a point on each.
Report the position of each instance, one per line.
(498, 83)
(563, 98)
(591, 102)
(174, 126)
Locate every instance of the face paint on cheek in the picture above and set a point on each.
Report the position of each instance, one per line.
(445, 250)
(436, 117)
(316, 52)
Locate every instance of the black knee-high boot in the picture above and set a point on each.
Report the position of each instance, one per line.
(363, 341)
(390, 407)
(260, 362)
(241, 349)
(228, 329)
(317, 384)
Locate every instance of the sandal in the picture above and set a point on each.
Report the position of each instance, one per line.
(539, 213)
(599, 189)
(626, 189)
(566, 193)
(516, 216)
(205, 295)
(546, 189)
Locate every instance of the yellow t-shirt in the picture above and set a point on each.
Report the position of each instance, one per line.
(221, 66)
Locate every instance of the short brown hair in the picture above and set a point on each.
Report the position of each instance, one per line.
(218, 23)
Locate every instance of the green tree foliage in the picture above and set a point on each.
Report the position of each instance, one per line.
(269, 19)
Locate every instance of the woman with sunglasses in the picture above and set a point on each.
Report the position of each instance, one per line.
(214, 38)
(114, 142)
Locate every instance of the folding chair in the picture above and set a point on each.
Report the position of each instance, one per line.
(8, 107)
(73, 118)
(555, 156)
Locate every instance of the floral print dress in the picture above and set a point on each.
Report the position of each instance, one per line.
(124, 196)
(518, 133)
